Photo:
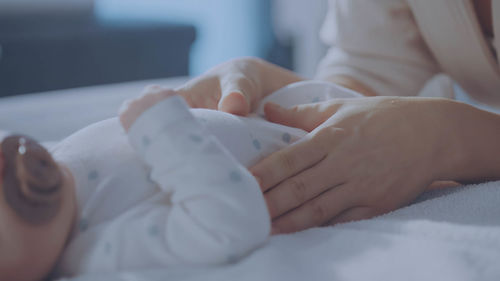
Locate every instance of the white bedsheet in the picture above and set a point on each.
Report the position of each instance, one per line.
(452, 235)
(445, 235)
(51, 116)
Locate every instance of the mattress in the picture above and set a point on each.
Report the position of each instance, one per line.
(449, 234)
(51, 116)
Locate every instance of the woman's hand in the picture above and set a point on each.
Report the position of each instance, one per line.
(236, 86)
(363, 157)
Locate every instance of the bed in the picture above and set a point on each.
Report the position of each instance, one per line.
(443, 235)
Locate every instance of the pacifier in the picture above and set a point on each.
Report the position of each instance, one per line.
(32, 180)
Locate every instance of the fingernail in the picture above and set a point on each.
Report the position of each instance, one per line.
(237, 93)
(235, 103)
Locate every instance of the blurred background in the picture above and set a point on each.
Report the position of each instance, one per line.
(59, 44)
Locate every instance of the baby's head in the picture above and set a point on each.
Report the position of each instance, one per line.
(37, 207)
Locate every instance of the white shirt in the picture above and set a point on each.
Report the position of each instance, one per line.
(395, 46)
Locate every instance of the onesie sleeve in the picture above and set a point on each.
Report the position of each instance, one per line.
(377, 43)
(218, 211)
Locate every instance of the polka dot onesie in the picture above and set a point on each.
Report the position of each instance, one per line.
(174, 190)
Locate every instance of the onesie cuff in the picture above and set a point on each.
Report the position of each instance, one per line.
(156, 119)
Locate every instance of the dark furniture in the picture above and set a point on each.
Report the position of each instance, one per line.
(54, 52)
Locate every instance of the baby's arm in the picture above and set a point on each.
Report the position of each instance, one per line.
(218, 211)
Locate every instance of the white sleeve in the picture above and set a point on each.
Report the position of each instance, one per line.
(377, 43)
(218, 210)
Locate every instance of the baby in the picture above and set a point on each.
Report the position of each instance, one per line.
(169, 186)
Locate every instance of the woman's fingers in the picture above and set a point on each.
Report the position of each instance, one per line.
(353, 214)
(302, 187)
(287, 162)
(299, 156)
(201, 92)
(238, 93)
(235, 102)
(296, 116)
(234, 87)
(306, 116)
(231, 93)
(315, 212)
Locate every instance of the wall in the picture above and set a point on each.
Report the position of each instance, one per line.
(225, 28)
(8, 7)
(299, 22)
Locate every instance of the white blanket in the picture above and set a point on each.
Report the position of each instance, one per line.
(448, 235)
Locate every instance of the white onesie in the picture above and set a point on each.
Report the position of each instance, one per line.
(181, 193)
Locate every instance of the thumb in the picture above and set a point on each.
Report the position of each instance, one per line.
(234, 102)
(238, 92)
(305, 116)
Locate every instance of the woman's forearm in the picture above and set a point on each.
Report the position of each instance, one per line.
(474, 142)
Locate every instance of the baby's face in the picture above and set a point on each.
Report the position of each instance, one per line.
(36, 209)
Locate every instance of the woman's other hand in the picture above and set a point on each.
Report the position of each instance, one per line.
(363, 157)
(236, 86)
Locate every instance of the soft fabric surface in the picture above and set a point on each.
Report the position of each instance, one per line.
(448, 235)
